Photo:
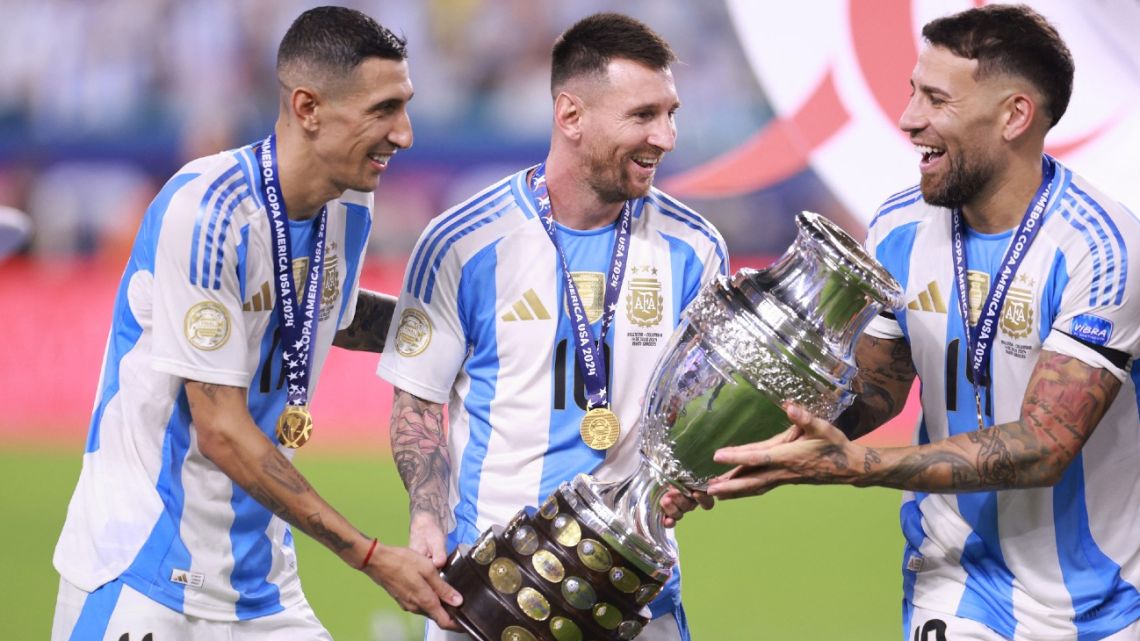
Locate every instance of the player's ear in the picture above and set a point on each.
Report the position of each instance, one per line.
(1019, 111)
(568, 115)
(303, 103)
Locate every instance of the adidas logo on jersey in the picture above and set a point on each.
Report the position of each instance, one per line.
(929, 300)
(261, 301)
(529, 307)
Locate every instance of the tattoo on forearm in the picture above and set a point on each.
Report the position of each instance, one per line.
(281, 470)
(1064, 401)
(369, 326)
(419, 446)
(318, 530)
(886, 372)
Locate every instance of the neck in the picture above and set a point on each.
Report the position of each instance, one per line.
(303, 188)
(573, 202)
(1003, 203)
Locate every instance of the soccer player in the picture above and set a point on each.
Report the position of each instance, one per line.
(1021, 511)
(244, 272)
(550, 293)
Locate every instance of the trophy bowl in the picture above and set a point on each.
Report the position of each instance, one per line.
(586, 562)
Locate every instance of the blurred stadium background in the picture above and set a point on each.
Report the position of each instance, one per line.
(787, 106)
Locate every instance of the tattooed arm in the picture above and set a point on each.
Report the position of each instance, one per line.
(369, 326)
(886, 373)
(419, 446)
(1063, 404)
(228, 437)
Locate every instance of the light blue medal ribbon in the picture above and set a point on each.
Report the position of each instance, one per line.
(298, 325)
(600, 427)
(980, 339)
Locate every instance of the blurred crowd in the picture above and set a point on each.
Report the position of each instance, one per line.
(101, 100)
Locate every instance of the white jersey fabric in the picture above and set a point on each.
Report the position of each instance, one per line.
(483, 327)
(197, 302)
(1051, 563)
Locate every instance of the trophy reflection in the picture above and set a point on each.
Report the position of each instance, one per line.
(586, 562)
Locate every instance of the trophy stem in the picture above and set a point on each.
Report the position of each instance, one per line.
(638, 499)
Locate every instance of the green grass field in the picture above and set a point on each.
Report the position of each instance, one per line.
(804, 563)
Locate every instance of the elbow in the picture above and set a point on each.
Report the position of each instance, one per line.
(1047, 471)
(213, 443)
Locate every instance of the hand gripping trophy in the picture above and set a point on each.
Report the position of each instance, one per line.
(585, 563)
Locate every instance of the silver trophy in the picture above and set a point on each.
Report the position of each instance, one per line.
(585, 563)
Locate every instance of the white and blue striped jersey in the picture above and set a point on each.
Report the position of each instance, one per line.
(1061, 562)
(196, 302)
(483, 327)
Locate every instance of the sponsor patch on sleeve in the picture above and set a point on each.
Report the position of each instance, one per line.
(1092, 329)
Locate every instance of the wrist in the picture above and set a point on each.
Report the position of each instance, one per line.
(371, 550)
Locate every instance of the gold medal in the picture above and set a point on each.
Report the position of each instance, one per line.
(294, 426)
(600, 428)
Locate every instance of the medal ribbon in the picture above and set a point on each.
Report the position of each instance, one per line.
(981, 338)
(589, 353)
(297, 325)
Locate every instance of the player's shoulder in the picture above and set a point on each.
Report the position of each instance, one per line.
(900, 209)
(1080, 209)
(221, 186)
(480, 220)
(679, 218)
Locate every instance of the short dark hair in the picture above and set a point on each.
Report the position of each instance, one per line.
(1011, 39)
(334, 40)
(588, 47)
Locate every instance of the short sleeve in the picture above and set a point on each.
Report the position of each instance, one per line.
(1099, 318)
(426, 345)
(199, 331)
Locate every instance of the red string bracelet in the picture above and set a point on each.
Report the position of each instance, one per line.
(368, 557)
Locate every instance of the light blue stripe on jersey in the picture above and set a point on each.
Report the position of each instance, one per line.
(476, 307)
(1052, 293)
(1115, 252)
(196, 240)
(125, 329)
(677, 211)
(464, 219)
(910, 519)
(686, 282)
(96, 613)
(1091, 577)
(357, 224)
(164, 550)
(253, 558)
(893, 253)
(566, 455)
(988, 595)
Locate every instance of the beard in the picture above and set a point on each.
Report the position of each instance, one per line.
(962, 184)
(610, 179)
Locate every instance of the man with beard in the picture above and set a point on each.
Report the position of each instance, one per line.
(1021, 506)
(549, 294)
